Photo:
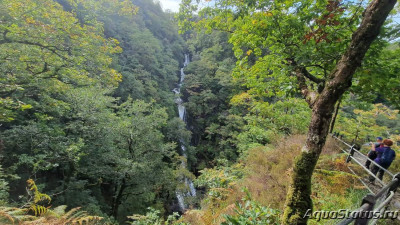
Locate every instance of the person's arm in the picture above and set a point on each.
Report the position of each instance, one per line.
(372, 146)
(380, 149)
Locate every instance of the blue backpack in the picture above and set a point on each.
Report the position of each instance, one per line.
(388, 156)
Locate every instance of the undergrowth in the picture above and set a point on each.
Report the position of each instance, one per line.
(265, 173)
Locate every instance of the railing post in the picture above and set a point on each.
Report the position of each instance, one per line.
(351, 153)
(397, 184)
(363, 218)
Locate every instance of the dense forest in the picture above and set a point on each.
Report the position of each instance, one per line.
(118, 112)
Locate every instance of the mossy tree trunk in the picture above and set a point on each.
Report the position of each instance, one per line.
(322, 103)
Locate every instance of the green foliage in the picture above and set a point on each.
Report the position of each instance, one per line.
(367, 124)
(152, 54)
(43, 214)
(251, 212)
(45, 52)
(82, 90)
(207, 89)
(58, 215)
(39, 198)
(219, 181)
(4, 188)
(9, 215)
(266, 122)
(273, 39)
(268, 34)
(86, 106)
(284, 50)
(379, 78)
(152, 217)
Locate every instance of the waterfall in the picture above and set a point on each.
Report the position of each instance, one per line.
(182, 115)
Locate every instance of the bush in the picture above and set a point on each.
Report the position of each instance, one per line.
(251, 212)
(152, 217)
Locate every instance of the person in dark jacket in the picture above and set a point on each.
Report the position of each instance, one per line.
(372, 154)
(385, 157)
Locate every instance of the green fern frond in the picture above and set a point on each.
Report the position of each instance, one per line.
(12, 214)
(37, 195)
(44, 215)
(74, 216)
(78, 215)
(4, 212)
(70, 213)
(38, 209)
(59, 210)
(87, 220)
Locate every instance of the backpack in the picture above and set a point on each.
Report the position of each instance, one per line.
(387, 156)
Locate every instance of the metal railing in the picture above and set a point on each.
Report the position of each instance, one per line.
(351, 156)
(372, 205)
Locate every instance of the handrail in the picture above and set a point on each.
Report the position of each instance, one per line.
(366, 207)
(392, 183)
(342, 141)
(365, 157)
(368, 171)
(382, 205)
(376, 164)
(372, 203)
(359, 179)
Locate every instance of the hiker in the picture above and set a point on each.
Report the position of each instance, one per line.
(385, 157)
(372, 154)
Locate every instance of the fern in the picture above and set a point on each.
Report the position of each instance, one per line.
(74, 216)
(38, 198)
(12, 215)
(44, 215)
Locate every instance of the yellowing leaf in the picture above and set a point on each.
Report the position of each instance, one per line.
(24, 107)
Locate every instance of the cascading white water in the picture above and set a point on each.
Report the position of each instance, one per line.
(182, 113)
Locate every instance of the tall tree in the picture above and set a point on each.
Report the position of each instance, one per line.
(322, 104)
(312, 45)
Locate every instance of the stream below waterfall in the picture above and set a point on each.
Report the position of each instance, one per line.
(182, 115)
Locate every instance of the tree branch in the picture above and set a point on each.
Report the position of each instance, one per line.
(311, 77)
(52, 49)
(301, 74)
(319, 66)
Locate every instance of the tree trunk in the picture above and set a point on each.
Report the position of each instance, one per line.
(118, 198)
(356, 137)
(298, 200)
(332, 126)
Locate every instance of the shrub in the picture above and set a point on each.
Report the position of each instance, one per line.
(152, 217)
(251, 212)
